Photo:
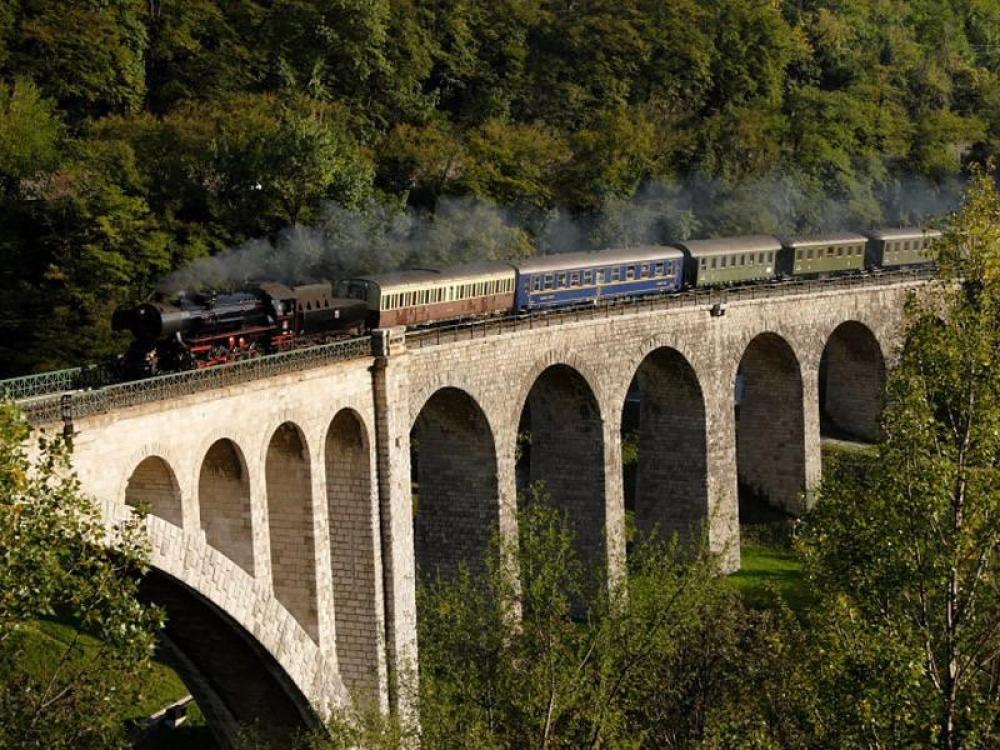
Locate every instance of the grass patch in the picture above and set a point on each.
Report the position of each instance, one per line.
(767, 571)
(42, 643)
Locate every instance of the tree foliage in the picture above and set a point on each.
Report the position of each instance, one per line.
(58, 560)
(238, 120)
(905, 553)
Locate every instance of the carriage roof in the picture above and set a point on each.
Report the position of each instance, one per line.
(729, 245)
(829, 238)
(569, 261)
(903, 233)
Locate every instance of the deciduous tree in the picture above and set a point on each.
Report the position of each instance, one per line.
(905, 554)
(59, 560)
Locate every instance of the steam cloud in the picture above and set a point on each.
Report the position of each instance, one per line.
(380, 238)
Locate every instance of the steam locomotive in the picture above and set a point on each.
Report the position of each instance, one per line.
(201, 330)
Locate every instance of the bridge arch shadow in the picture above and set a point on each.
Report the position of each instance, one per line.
(665, 446)
(153, 483)
(770, 425)
(456, 498)
(852, 376)
(236, 683)
(224, 502)
(352, 554)
(288, 477)
(561, 439)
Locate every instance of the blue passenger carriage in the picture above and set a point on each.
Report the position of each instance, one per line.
(577, 278)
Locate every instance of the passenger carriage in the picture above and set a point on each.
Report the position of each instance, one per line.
(410, 298)
(579, 278)
(732, 260)
(821, 255)
(895, 248)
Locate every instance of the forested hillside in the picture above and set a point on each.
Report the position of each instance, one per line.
(341, 135)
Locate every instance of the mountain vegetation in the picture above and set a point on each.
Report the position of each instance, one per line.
(139, 135)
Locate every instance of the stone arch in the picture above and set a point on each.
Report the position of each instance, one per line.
(566, 453)
(288, 477)
(665, 411)
(352, 553)
(852, 374)
(770, 424)
(454, 461)
(224, 502)
(154, 484)
(235, 681)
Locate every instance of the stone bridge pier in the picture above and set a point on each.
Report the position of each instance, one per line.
(292, 515)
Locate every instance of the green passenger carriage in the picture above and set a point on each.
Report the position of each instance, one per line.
(823, 254)
(732, 260)
(892, 248)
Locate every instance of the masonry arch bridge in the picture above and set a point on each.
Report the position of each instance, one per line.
(282, 511)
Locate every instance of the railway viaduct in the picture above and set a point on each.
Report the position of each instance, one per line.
(286, 536)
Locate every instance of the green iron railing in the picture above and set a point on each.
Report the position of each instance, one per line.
(51, 407)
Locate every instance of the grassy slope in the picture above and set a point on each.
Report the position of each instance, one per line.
(769, 564)
(769, 569)
(42, 644)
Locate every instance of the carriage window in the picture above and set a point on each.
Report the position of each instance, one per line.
(548, 281)
(840, 251)
(722, 262)
(629, 272)
(588, 278)
(704, 262)
(616, 273)
(713, 262)
(536, 282)
(574, 278)
(750, 259)
(659, 269)
(743, 260)
(601, 276)
(644, 271)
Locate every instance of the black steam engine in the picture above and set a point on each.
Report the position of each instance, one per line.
(201, 330)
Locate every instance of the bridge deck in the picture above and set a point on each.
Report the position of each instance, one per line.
(41, 396)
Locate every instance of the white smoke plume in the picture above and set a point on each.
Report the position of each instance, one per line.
(383, 237)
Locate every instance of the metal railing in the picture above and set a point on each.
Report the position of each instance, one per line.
(474, 329)
(47, 408)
